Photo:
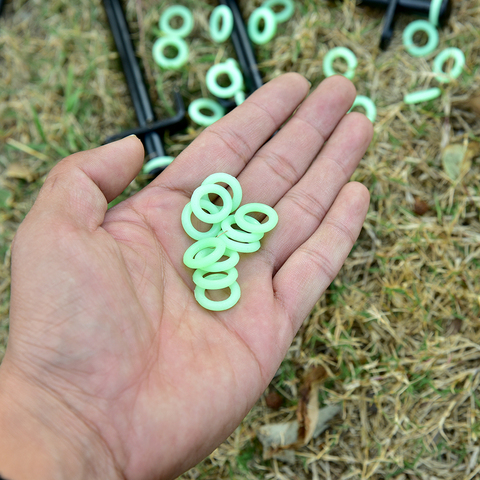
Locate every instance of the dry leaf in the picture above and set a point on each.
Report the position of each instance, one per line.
(452, 159)
(21, 172)
(307, 410)
(457, 158)
(453, 327)
(274, 400)
(473, 103)
(311, 421)
(276, 437)
(473, 150)
(421, 207)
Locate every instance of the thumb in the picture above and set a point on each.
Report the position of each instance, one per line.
(78, 188)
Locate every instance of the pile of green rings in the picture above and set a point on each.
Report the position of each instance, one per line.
(173, 37)
(221, 240)
(221, 27)
(430, 29)
(230, 67)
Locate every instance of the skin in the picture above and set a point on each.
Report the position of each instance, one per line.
(112, 369)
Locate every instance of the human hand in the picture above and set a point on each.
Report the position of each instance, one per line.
(112, 369)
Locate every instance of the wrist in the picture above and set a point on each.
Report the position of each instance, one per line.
(41, 438)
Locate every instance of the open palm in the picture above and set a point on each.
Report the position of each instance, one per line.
(103, 317)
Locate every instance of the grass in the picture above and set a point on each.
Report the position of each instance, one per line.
(398, 331)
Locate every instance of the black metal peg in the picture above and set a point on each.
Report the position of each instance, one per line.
(244, 51)
(389, 22)
(243, 48)
(149, 130)
(417, 7)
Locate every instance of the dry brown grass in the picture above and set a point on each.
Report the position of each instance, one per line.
(398, 331)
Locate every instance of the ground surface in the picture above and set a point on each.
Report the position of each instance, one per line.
(398, 332)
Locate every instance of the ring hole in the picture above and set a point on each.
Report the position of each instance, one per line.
(420, 38)
(210, 274)
(199, 225)
(170, 51)
(277, 8)
(448, 65)
(207, 112)
(340, 65)
(359, 109)
(226, 187)
(216, 199)
(260, 217)
(261, 25)
(224, 80)
(218, 295)
(203, 253)
(176, 22)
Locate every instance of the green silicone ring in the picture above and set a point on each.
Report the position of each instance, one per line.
(440, 60)
(270, 25)
(232, 182)
(434, 12)
(204, 190)
(230, 68)
(170, 63)
(368, 105)
(176, 11)
(285, 14)
(194, 110)
(340, 52)
(156, 163)
(239, 235)
(221, 15)
(420, 26)
(190, 230)
(190, 259)
(422, 96)
(250, 226)
(215, 281)
(241, 247)
(221, 266)
(218, 306)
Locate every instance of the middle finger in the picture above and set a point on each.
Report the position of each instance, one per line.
(305, 205)
(282, 161)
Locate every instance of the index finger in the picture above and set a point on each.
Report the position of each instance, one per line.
(229, 144)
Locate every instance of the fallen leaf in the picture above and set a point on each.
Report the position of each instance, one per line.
(453, 327)
(473, 150)
(277, 436)
(307, 409)
(311, 421)
(473, 103)
(452, 159)
(21, 172)
(274, 400)
(421, 207)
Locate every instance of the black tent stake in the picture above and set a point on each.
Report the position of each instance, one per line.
(417, 7)
(149, 129)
